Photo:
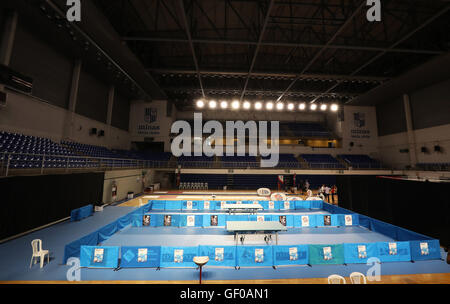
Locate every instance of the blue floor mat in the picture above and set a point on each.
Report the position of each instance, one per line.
(15, 255)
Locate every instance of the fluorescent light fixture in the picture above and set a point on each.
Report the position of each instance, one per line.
(200, 103)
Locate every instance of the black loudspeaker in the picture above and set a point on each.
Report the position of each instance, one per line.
(437, 148)
(352, 144)
(101, 133)
(93, 131)
(424, 149)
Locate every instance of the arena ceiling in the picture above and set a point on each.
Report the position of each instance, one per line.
(299, 50)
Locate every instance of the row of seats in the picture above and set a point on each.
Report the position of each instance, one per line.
(322, 161)
(193, 186)
(361, 161)
(27, 147)
(434, 166)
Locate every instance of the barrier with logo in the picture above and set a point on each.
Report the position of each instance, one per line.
(99, 256)
(290, 255)
(211, 220)
(394, 251)
(219, 255)
(425, 250)
(217, 205)
(178, 256)
(326, 254)
(254, 256)
(359, 253)
(140, 257)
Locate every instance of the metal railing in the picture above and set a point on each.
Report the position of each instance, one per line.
(12, 161)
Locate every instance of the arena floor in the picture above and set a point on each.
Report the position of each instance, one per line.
(15, 255)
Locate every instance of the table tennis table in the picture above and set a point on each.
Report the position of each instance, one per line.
(247, 227)
(251, 208)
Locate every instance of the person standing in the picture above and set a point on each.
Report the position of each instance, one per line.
(327, 194)
(322, 190)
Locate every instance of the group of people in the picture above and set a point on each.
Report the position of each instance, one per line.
(329, 194)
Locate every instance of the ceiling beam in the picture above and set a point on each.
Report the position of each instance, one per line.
(401, 40)
(191, 45)
(260, 93)
(261, 36)
(256, 74)
(318, 54)
(283, 43)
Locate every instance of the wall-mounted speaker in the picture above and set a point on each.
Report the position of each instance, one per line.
(93, 131)
(101, 133)
(424, 150)
(351, 144)
(437, 148)
(404, 150)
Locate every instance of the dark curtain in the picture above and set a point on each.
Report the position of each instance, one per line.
(29, 202)
(422, 207)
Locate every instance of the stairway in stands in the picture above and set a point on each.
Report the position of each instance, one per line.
(230, 181)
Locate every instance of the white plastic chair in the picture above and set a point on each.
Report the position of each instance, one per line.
(39, 253)
(358, 278)
(336, 279)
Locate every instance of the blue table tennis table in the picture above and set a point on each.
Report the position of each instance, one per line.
(248, 227)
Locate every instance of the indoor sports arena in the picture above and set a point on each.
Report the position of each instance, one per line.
(224, 142)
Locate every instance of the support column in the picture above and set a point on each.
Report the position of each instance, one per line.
(111, 95)
(68, 126)
(7, 39)
(410, 132)
(8, 35)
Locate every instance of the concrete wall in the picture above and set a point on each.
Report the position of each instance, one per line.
(430, 117)
(126, 181)
(390, 145)
(31, 116)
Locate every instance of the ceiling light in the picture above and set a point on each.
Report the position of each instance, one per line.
(334, 107)
(200, 103)
(246, 105)
(302, 106)
(323, 107)
(258, 105)
(290, 106)
(235, 104)
(269, 105)
(313, 107)
(212, 104)
(224, 104)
